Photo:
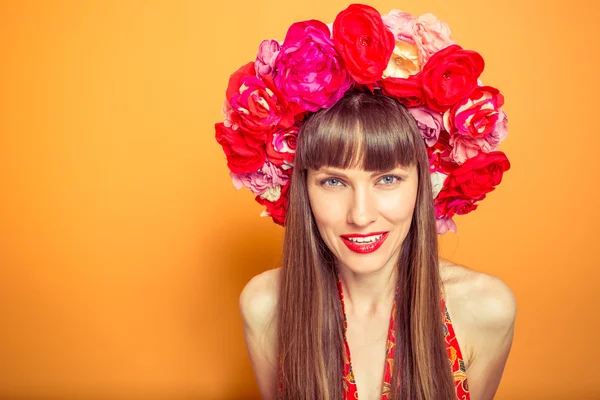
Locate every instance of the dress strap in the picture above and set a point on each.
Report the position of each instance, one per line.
(455, 357)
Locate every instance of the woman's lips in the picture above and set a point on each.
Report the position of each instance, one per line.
(352, 241)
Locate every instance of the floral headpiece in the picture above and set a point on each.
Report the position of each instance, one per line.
(413, 60)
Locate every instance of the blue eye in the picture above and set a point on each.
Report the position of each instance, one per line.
(332, 182)
(389, 179)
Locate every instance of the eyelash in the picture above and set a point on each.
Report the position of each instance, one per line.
(397, 178)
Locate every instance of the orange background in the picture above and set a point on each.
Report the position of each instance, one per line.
(124, 245)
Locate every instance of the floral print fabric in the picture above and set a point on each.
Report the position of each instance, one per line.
(455, 358)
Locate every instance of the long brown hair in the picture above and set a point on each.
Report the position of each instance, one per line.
(376, 133)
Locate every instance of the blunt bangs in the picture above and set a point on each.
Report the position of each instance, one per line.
(371, 132)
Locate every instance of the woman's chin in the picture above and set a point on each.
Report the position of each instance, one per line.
(366, 264)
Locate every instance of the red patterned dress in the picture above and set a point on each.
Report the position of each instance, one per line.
(454, 357)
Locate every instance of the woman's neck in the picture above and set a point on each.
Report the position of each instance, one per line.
(368, 294)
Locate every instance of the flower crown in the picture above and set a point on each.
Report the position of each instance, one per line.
(413, 60)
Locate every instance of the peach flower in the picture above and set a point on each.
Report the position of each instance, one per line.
(404, 61)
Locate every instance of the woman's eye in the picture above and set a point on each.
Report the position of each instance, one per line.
(331, 182)
(389, 179)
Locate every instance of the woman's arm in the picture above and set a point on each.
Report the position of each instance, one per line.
(258, 306)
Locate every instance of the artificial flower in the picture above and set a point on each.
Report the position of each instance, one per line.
(363, 41)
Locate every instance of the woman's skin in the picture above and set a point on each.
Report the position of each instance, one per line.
(482, 307)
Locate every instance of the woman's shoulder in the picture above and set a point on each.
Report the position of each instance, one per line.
(478, 297)
(482, 309)
(258, 300)
(258, 305)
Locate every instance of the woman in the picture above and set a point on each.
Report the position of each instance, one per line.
(362, 304)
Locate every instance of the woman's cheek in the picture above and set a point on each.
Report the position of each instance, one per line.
(331, 209)
(398, 206)
(326, 207)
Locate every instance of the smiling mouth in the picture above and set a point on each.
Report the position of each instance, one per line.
(364, 244)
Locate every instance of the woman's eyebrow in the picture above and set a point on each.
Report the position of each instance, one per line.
(335, 171)
(388, 171)
(331, 171)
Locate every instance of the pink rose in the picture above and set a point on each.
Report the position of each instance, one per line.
(310, 72)
(429, 123)
(263, 182)
(499, 133)
(265, 60)
(227, 111)
(281, 146)
(276, 209)
(405, 59)
(439, 155)
(444, 225)
(431, 35)
(465, 147)
(401, 24)
(255, 105)
(477, 114)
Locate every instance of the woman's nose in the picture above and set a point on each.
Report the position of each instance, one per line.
(362, 208)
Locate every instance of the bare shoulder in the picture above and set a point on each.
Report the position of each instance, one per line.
(258, 305)
(483, 310)
(479, 298)
(258, 300)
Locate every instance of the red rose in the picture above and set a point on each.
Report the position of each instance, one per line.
(439, 155)
(255, 104)
(281, 145)
(277, 209)
(477, 115)
(449, 76)
(363, 41)
(244, 153)
(452, 206)
(470, 183)
(406, 90)
(480, 174)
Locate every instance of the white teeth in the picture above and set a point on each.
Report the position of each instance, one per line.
(367, 239)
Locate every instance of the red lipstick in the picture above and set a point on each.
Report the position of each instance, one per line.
(353, 241)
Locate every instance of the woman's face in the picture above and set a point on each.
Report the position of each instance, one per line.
(362, 216)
